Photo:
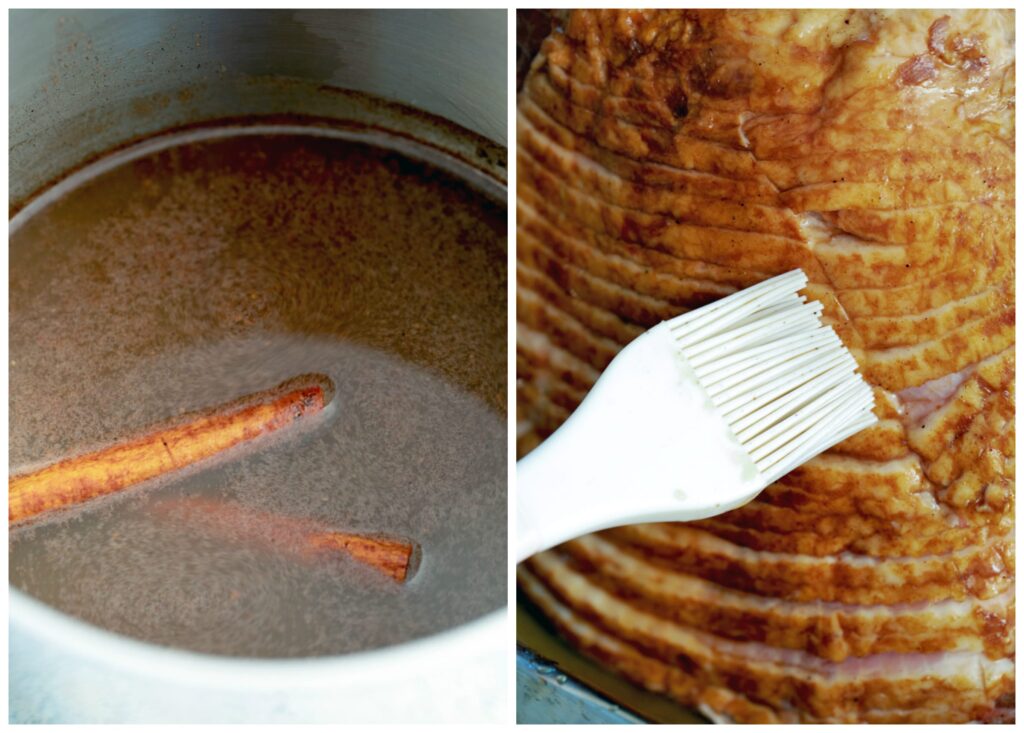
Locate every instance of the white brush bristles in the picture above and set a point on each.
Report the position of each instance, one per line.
(781, 379)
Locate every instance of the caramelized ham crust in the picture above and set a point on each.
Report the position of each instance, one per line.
(669, 158)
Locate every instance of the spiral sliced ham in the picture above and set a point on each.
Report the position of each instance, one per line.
(669, 158)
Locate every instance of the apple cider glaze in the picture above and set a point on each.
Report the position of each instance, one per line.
(225, 262)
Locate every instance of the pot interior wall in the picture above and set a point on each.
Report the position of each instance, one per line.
(82, 82)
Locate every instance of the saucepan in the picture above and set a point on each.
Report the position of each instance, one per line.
(86, 82)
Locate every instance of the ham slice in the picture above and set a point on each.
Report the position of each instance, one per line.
(668, 158)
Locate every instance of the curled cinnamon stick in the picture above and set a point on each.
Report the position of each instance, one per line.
(81, 478)
(305, 537)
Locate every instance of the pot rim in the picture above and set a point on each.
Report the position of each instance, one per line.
(211, 670)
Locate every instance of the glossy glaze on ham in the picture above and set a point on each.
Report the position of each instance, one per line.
(668, 158)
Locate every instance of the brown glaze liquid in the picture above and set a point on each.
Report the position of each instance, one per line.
(223, 265)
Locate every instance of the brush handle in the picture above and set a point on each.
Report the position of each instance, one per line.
(644, 445)
(559, 486)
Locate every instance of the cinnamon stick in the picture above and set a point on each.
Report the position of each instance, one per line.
(305, 537)
(78, 479)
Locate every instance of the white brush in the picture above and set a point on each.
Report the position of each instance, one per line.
(695, 417)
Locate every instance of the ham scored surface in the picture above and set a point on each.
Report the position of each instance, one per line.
(668, 158)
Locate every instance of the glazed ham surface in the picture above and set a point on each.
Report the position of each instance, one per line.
(669, 158)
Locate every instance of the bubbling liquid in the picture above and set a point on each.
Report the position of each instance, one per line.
(223, 264)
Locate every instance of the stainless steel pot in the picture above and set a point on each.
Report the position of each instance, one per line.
(83, 82)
